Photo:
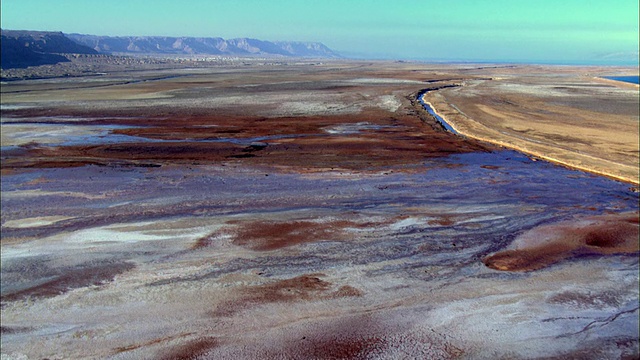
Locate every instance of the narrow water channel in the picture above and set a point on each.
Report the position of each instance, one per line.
(433, 113)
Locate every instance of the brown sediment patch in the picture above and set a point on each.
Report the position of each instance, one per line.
(267, 235)
(191, 350)
(160, 151)
(298, 288)
(203, 242)
(346, 291)
(272, 235)
(8, 171)
(301, 288)
(357, 337)
(221, 127)
(364, 337)
(354, 152)
(390, 139)
(444, 220)
(39, 163)
(37, 181)
(71, 279)
(124, 154)
(527, 260)
(339, 348)
(148, 343)
(548, 244)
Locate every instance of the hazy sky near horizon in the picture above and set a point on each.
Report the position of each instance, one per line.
(559, 31)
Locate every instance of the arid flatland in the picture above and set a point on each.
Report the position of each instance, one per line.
(304, 209)
(570, 116)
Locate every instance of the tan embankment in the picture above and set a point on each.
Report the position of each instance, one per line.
(468, 127)
(618, 83)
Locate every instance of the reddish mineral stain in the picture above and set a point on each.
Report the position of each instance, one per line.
(601, 235)
(265, 235)
(71, 279)
(191, 350)
(301, 288)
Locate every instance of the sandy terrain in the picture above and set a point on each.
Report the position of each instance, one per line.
(315, 211)
(568, 116)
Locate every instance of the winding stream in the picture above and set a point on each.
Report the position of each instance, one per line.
(433, 113)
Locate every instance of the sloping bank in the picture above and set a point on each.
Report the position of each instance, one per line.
(455, 121)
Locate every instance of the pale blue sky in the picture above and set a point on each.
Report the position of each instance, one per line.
(560, 31)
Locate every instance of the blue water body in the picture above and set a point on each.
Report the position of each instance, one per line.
(630, 79)
(431, 111)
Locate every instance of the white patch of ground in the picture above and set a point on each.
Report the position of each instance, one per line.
(14, 107)
(559, 90)
(311, 108)
(37, 192)
(381, 81)
(16, 135)
(35, 221)
(389, 102)
(345, 129)
(176, 232)
(406, 223)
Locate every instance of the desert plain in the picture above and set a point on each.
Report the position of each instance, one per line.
(315, 210)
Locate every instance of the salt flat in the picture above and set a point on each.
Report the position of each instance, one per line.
(311, 210)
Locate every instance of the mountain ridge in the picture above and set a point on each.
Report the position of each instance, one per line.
(24, 48)
(51, 42)
(187, 45)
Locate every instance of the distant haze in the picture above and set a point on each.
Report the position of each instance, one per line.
(543, 31)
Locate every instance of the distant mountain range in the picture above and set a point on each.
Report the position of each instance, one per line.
(29, 48)
(200, 45)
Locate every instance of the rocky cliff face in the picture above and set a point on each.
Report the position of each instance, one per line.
(30, 48)
(21, 49)
(47, 42)
(200, 45)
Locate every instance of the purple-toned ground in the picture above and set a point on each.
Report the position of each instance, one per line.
(308, 211)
